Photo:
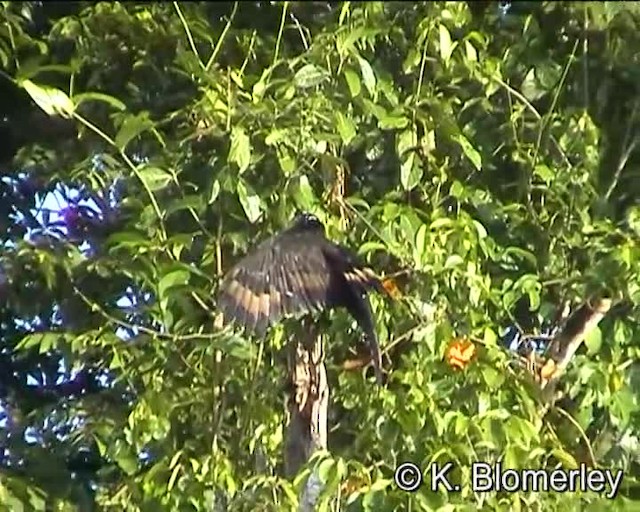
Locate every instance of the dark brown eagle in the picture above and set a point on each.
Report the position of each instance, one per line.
(298, 271)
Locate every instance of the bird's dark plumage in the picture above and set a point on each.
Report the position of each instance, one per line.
(296, 271)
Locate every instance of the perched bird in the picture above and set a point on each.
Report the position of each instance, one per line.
(297, 271)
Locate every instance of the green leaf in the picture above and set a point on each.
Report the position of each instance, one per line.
(286, 161)
(490, 337)
(368, 77)
(326, 469)
(276, 135)
(240, 151)
(172, 279)
(390, 122)
(370, 247)
(443, 222)
(98, 96)
(492, 377)
(446, 45)
(127, 462)
(593, 340)
(421, 243)
(250, 202)
(154, 177)
(530, 88)
(44, 340)
(470, 152)
(237, 348)
(457, 190)
(544, 173)
(346, 127)
(455, 260)
(194, 201)
(303, 194)
(127, 238)
(410, 174)
(470, 52)
(353, 81)
(215, 191)
(131, 128)
(309, 76)
(522, 253)
(52, 101)
(259, 89)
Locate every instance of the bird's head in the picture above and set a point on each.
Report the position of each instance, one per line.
(307, 222)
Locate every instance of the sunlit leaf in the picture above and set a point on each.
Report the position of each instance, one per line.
(346, 127)
(470, 152)
(368, 76)
(446, 45)
(250, 202)
(100, 97)
(240, 150)
(353, 81)
(309, 75)
(593, 340)
(154, 177)
(53, 101)
(410, 171)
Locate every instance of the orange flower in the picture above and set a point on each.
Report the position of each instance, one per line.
(460, 352)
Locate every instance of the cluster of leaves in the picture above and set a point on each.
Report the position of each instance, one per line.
(489, 149)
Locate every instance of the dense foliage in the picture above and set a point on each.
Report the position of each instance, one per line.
(488, 151)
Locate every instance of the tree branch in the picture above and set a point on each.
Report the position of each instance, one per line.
(565, 344)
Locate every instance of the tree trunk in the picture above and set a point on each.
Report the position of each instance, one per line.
(308, 403)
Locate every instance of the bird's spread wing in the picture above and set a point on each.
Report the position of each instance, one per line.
(286, 274)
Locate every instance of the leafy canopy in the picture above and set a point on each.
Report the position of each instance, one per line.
(488, 149)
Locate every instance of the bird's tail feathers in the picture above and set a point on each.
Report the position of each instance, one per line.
(369, 280)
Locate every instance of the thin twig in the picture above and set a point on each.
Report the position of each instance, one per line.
(285, 7)
(226, 28)
(533, 110)
(547, 117)
(188, 32)
(582, 433)
(630, 146)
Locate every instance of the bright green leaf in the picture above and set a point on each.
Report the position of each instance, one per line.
(47, 340)
(346, 127)
(175, 278)
(470, 152)
(240, 150)
(250, 202)
(409, 175)
(98, 96)
(52, 101)
(303, 194)
(593, 340)
(368, 77)
(446, 45)
(388, 122)
(215, 191)
(353, 81)
(544, 173)
(154, 177)
(309, 76)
